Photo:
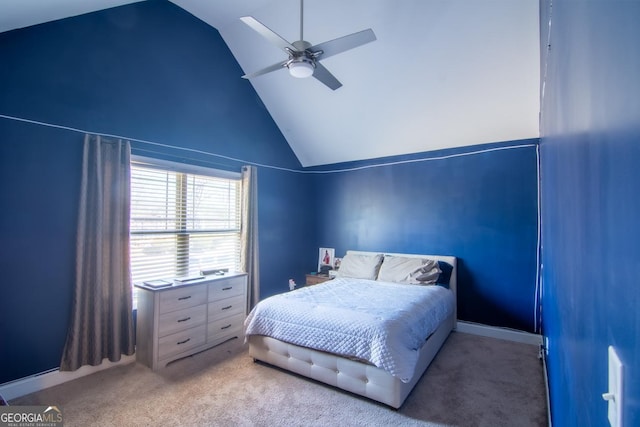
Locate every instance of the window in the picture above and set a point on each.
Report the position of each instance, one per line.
(183, 219)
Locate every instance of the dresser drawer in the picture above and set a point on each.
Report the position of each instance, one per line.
(179, 320)
(227, 307)
(182, 297)
(227, 288)
(181, 341)
(228, 326)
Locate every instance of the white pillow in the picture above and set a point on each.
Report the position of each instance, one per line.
(360, 266)
(399, 269)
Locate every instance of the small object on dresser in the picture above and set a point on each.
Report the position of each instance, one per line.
(188, 278)
(216, 271)
(158, 283)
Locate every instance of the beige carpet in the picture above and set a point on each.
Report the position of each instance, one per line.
(474, 381)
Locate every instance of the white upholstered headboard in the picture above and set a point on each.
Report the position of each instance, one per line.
(451, 260)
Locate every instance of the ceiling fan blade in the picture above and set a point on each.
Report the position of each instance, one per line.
(325, 77)
(270, 68)
(342, 44)
(265, 32)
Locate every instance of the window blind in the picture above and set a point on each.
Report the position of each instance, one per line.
(181, 222)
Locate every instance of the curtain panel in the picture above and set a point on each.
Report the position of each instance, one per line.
(249, 254)
(101, 324)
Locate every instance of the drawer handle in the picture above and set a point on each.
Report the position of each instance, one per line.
(184, 320)
(227, 288)
(226, 327)
(227, 307)
(183, 298)
(185, 341)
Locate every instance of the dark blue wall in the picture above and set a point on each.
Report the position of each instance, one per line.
(149, 71)
(481, 208)
(38, 199)
(590, 150)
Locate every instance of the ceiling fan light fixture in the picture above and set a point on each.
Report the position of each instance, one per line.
(301, 68)
(304, 57)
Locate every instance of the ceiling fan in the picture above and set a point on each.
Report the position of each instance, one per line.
(304, 58)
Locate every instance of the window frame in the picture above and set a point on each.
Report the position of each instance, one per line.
(189, 169)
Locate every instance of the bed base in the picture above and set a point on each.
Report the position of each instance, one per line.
(356, 377)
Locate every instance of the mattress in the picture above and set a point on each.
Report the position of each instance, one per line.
(382, 323)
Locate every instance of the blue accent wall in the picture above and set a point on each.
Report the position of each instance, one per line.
(149, 71)
(479, 207)
(590, 151)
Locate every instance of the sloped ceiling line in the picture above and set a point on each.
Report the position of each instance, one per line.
(440, 75)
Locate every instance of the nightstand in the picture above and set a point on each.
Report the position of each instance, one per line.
(314, 279)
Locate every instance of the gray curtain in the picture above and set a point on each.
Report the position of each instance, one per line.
(249, 258)
(102, 317)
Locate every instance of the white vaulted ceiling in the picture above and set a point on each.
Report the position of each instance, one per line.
(442, 73)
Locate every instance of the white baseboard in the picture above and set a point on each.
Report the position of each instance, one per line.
(500, 333)
(37, 382)
(543, 356)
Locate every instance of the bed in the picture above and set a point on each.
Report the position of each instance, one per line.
(382, 354)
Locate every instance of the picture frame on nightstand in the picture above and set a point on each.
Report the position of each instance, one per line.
(326, 258)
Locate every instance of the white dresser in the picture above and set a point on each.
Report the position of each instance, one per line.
(184, 319)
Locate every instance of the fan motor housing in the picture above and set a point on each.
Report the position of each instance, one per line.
(301, 45)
